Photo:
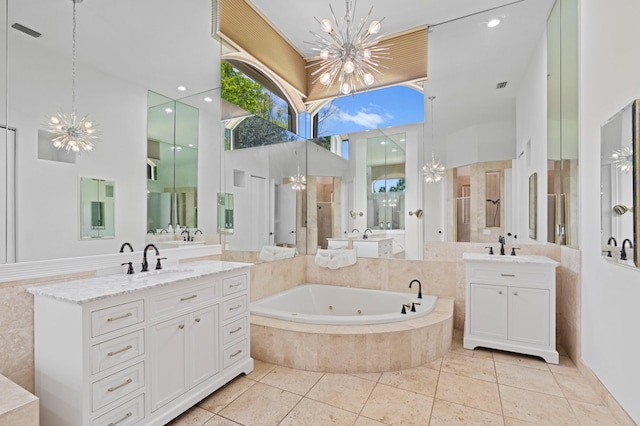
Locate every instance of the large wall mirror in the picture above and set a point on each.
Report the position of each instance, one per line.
(172, 164)
(620, 150)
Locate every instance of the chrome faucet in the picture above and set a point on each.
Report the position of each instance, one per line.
(164, 230)
(364, 235)
(623, 252)
(188, 234)
(501, 241)
(419, 287)
(145, 264)
(355, 230)
(125, 245)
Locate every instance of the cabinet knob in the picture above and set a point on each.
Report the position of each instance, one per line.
(197, 319)
(181, 326)
(500, 292)
(515, 293)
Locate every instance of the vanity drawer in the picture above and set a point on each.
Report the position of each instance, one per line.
(234, 307)
(234, 353)
(107, 390)
(234, 284)
(169, 303)
(116, 351)
(508, 275)
(129, 413)
(234, 330)
(116, 317)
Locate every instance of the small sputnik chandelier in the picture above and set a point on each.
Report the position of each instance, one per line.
(351, 55)
(298, 182)
(68, 131)
(623, 159)
(433, 171)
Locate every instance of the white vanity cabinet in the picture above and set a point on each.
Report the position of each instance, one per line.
(374, 247)
(510, 304)
(139, 350)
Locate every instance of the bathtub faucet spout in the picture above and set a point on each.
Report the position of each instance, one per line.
(419, 287)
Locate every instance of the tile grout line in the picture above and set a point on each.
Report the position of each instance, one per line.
(435, 391)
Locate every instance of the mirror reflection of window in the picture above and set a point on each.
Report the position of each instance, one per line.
(386, 182)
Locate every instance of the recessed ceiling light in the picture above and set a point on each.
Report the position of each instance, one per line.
(402, 140)
(394, 150)
(208, 99)
(191, 145)
(168, 110)
(494, 22)
(383, 143)
(182, 88)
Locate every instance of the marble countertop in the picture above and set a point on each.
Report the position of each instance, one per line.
(91, 289)
(524, 259)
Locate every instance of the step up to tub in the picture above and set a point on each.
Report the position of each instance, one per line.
(354, 348)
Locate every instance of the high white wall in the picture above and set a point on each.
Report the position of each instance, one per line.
(480, 143)
(531, 129)
(609, 70)
(47, 199)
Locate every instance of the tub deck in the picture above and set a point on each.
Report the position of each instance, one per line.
(354, 348)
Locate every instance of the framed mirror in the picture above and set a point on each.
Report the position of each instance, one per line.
(619, 185)
(97, 208)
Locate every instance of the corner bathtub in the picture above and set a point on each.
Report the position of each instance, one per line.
(329, 304)
(318, 328)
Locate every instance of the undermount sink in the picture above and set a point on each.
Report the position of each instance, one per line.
(170, 274)
(178, 244)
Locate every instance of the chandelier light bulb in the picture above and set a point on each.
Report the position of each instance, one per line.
(349, 67)
(368, 79)
(326, 26)
(325, 78)
(345, 88)
(324, 53)
(374, 27)
(366, 54)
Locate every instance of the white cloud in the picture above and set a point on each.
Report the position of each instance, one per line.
(361, 118)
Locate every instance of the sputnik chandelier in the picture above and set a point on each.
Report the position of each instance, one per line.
(623, 159)
(352, 53)
(433, 171)
(298, 182)
(68, 131)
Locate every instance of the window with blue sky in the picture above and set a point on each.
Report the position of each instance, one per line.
(375, 109)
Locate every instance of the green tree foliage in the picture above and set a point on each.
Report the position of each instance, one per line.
(269, 123)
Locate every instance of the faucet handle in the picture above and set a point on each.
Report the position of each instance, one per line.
(158, 264)
(413, 306)
(608, 252)
(513, 250)
(130, 268)
(404, 306)
(490, 249)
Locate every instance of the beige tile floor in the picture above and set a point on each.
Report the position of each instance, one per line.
(465, 387)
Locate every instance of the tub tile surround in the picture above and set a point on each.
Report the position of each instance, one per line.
(17, 406)
(354, 349)
(433, 394)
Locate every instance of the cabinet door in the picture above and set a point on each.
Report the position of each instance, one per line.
(203, 345)
(167, 357)
(529, 315)
(488, 311)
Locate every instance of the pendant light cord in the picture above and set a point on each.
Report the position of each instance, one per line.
(73, 64)
(433, 138)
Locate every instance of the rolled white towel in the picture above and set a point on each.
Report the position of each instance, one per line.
(271, 253)
(335, 258)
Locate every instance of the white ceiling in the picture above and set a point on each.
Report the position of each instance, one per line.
(160, 44)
